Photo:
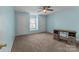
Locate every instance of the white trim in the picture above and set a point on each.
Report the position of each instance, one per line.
(36, 25)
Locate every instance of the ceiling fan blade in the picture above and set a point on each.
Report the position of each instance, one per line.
(49, 6)
(46, 6)
(50, 9)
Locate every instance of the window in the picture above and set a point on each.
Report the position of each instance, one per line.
(33, 22)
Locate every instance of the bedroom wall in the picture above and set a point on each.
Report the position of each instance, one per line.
(50, 23)
(22, 23)
(7, 27)
(66, 19)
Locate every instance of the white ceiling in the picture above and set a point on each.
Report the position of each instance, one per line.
(34, 9)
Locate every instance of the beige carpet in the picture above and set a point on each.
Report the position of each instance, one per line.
(41, 42)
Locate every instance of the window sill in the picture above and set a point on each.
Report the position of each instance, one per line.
(33, 29)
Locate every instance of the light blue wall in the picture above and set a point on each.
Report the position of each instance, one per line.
(7, 27)
(66, 19)
(23, 23)
(49, 23)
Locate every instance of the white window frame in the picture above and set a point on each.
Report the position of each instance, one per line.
(36, 22)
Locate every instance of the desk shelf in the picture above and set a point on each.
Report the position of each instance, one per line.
(70, 39)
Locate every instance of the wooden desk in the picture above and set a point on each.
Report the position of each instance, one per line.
(71, 35)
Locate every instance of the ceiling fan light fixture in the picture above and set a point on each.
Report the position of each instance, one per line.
(45, 11)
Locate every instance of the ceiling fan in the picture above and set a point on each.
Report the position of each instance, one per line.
(45, 9)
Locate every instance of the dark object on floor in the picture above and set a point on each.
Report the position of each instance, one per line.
(70, 36)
